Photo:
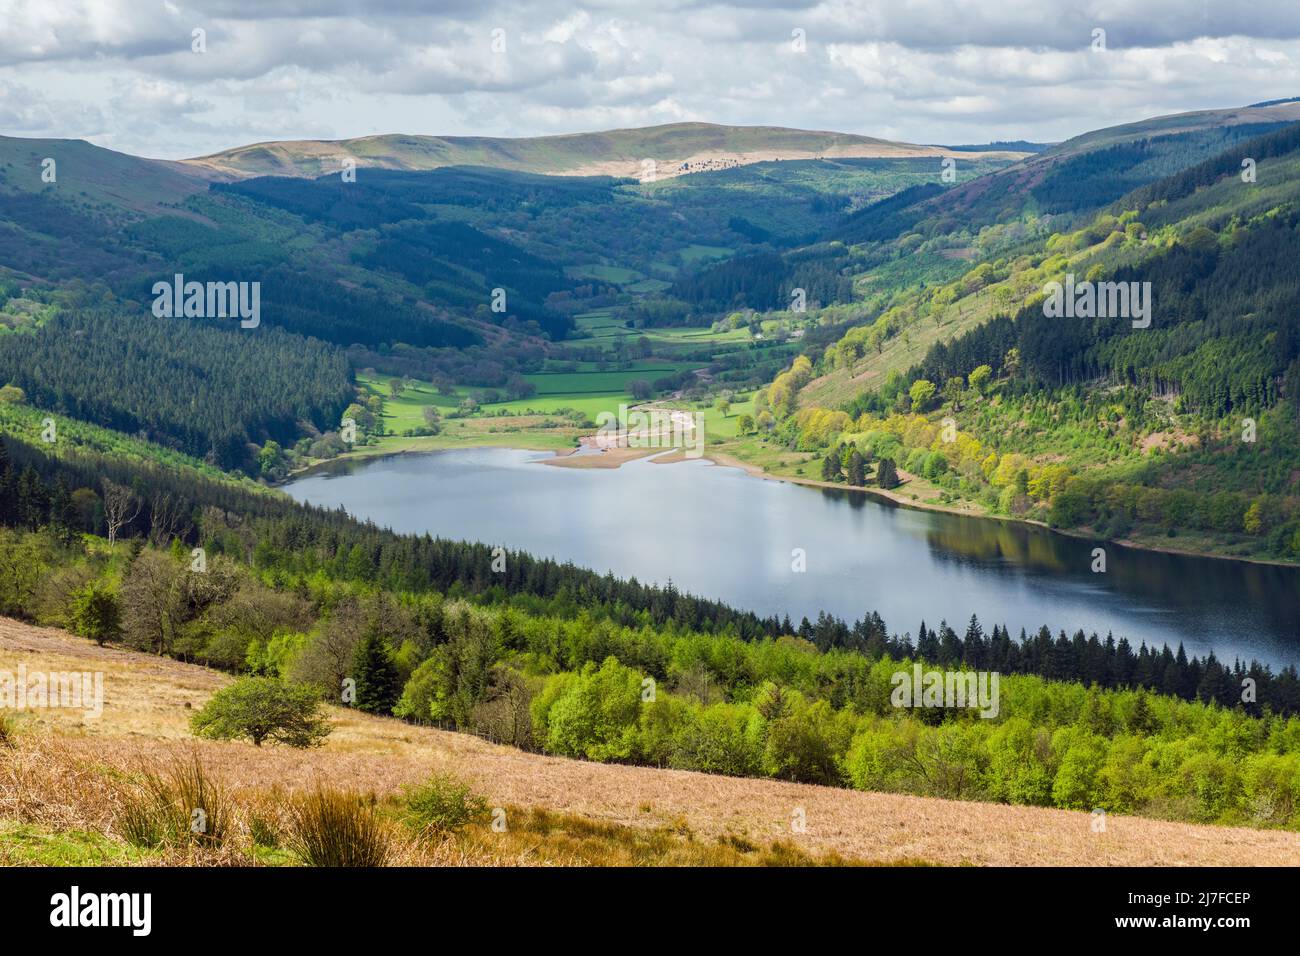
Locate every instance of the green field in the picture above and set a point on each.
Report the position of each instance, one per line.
(603, 326)
(618, 275)
(542, 419)
(590, 405)
(696, 254)
(590, 380)
(649, 285)
(407, 410)
(587, 392)
(723, 427)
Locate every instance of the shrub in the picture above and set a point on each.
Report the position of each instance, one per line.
(176, 808)
(337, 828)
(6, 730)
(416, 702)
(804, 745)
(724, 738)
(935, 464)
(262, 708)
(96, 614)
(443, 805)
(592, 714)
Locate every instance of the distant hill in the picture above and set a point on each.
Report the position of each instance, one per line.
(1283, 111)
(676, 149)
(1289, 99)
(1002, 146)
(1082, 173)
(85, 174)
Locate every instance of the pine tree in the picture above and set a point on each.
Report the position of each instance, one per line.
(973, 643)
(887, 473)
(33, 499)
(1142, 721)
(62, 518)
(857, 471)
(8, 488)
(378, 683)
(927, 645)
(949, 644)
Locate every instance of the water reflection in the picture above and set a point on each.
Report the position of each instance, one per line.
(721, 533)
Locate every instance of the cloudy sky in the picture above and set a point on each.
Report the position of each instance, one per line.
(125, 74)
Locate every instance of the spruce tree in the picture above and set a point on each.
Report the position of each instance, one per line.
(973, 644)
(857, 472)
(887, 473)
(378, 683)
(8, 488)
(949, 644)
(927, 645)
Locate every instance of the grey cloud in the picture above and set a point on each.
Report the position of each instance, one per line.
(928, 70)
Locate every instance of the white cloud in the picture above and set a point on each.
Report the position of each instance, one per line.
(122, 73)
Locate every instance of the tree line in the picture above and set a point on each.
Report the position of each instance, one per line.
(286, 541)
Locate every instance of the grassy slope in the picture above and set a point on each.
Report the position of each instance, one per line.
(622, 151)
(56, 780)
(72, 437)
(1174, 123)
(906, 350)
(90, 174)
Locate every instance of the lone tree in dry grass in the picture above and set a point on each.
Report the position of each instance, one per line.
(263, 708)
(96, 614)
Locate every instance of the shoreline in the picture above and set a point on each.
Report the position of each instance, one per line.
(563, 458)
(731, 461)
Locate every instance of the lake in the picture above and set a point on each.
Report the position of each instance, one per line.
(719, 532)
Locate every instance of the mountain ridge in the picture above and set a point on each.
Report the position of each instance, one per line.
(674, 148)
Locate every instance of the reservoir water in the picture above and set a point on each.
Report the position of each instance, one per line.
(719, 532)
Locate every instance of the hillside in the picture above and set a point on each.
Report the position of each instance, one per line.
(1268, 112)
(676, 148)
(502, 290)
(97, 178)
(1130, 433)
(148, 701)
(466, 277)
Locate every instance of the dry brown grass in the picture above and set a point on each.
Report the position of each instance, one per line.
(61, 775)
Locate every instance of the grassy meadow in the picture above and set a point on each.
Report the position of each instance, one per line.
(73, 787)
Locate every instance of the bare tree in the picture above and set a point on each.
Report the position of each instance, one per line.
(505, 716)
(121, 507)
(165, 519)
(327, 659)
(153, 602)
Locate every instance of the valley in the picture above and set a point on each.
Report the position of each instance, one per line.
(1102, 511)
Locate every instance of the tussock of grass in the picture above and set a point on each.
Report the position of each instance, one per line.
(337, 828)
(536, 835)
(263, 830)
(179, 807)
